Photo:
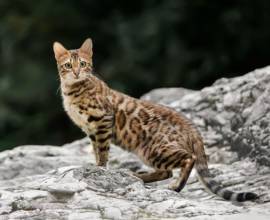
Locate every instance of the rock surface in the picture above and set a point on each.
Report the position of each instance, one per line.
(48, 182)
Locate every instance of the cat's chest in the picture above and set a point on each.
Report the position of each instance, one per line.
(79, 117)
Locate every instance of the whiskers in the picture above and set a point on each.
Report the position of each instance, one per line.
(58, 90)
(59, 87)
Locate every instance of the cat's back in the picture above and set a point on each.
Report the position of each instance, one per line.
(129, 110)
(138, 121)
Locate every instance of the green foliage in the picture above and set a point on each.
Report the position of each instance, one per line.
(138, 45)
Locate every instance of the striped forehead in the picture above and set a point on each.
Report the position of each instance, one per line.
(74, 55)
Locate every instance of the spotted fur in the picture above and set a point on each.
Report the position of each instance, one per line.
(160, 136)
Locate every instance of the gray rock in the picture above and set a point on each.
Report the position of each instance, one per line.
(166, 95)
(49, 182)
(30, 160)
(112, 213)
(98, 193)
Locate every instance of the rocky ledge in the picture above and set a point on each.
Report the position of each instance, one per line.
(233, 115)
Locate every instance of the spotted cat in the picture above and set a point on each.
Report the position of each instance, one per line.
(161, 137)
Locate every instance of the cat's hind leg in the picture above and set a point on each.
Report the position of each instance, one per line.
(157, 175)
(186, 166)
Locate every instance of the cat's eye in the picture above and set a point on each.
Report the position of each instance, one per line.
(68, 65)
(82, 64)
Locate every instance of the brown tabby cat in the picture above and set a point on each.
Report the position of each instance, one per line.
(161, 137)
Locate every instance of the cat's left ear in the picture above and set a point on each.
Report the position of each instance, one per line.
(87, 47)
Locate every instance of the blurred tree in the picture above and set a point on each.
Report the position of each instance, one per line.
(137, 46)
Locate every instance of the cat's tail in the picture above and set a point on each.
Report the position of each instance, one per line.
(216, 188)
(207, 180)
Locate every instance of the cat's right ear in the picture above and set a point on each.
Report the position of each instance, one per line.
(59, 50)
(87, 47)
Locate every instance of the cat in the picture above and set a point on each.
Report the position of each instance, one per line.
(161, 137)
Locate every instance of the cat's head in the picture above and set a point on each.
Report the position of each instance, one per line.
(74, 65)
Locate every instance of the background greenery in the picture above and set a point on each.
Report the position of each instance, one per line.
(138, 45)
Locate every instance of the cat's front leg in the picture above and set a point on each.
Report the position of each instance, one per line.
(101, 152)
(102, 140)
(94, 145)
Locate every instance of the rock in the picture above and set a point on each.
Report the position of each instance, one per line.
(115, 194)
(112, 213)
(166, 95)
(30, 160)
(49, 182)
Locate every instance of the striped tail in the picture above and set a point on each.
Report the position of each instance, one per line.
(216, 188)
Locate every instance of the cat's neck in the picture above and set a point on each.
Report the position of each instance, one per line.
(86, 84)
(68, 87)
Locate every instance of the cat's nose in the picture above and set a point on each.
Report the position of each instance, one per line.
(76, 72)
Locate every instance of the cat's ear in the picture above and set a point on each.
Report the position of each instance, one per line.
(87, 47)
(59, 50)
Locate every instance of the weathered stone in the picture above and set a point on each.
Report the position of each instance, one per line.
(115, 194)
(166, 95)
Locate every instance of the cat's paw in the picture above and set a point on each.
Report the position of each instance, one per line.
(175, 186)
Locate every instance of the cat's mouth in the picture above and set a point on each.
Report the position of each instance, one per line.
(73, 80)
